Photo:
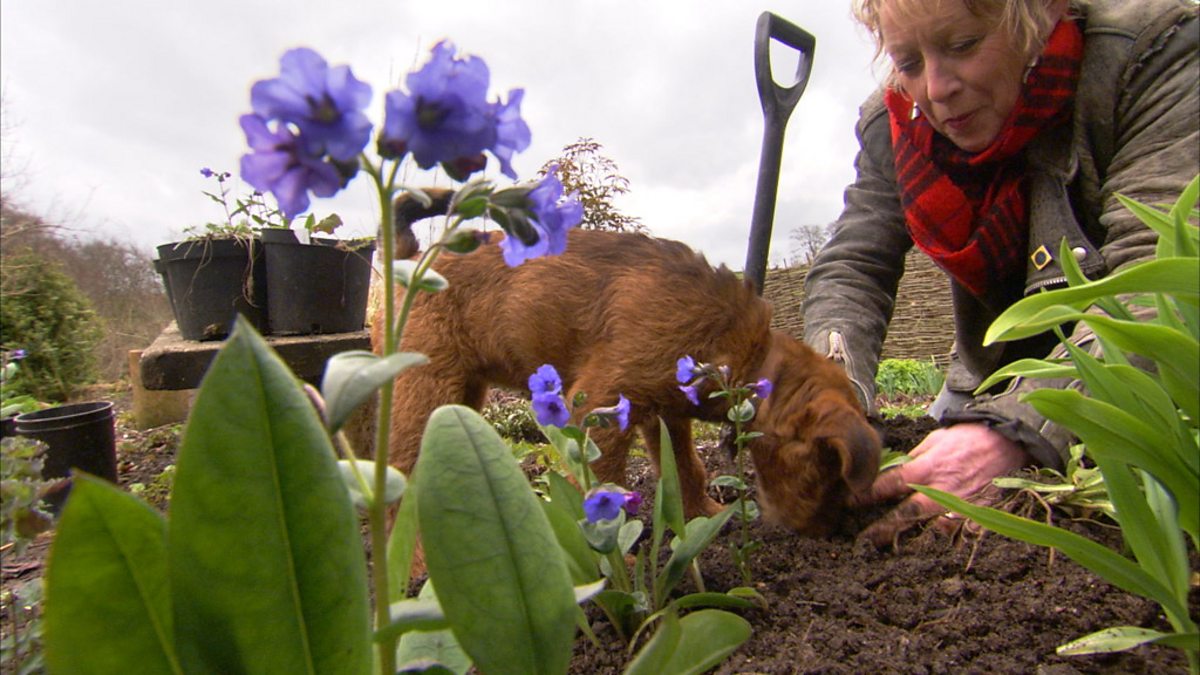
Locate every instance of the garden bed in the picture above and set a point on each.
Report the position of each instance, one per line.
(936, 604)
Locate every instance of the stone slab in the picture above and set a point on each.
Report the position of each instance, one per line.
(173, 363)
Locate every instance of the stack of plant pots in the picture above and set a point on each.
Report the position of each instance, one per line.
(281, 285)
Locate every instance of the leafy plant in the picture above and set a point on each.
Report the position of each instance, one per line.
(21, 519)
(595, 526)
(53, 322)
(908, 377)
(741, 412)
(1140, 427)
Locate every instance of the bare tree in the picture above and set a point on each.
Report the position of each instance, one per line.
(806, 241)
(583, 169)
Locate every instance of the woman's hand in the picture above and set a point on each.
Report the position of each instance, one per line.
(962, 460)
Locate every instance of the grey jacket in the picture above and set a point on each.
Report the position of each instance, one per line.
(1136, 131)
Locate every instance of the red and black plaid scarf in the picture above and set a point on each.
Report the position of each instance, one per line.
(967, 211)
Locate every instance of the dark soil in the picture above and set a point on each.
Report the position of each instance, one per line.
(935, 604)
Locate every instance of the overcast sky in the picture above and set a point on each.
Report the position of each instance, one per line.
(111, 108)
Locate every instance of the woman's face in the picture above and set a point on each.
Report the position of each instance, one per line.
(963, 72)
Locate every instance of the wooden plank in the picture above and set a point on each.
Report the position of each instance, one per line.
(172, 363)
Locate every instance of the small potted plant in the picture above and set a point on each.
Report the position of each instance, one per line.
(217, 273)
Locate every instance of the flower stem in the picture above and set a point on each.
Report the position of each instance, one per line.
(377, 514)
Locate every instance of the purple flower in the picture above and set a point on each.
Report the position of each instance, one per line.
(545, 381)
(445, 115)
(762, 388)
(207, 172)
(633, 501)
(552, 217)
(512, 134)
(691, 393)
(325, 104)
(603, 505)
(279, 165)
(620, 411)
(551, 409)
(685, 369)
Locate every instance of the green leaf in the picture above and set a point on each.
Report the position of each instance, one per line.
(353, 377)
(1037, 313)
(1111, 432)
(705, 639)
(581, 560)
(718, 600)
(700, 533)
(1037, 368)
(668, 499)
(430, 281)
(266, 559)
(1109, 565)
(107, 603)
(1121, 638)
(421, 613)
(401, 547)
(435, 646)
(366, 471)
(502, 578)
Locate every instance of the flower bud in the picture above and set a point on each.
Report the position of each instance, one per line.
(464, 240)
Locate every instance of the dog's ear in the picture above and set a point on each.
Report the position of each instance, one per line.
(854, 442)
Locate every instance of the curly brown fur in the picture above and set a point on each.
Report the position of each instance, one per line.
(612, 315)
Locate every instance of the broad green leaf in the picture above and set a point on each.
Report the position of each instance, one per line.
(668, 500)
(433, 646)
(653, 658)
(353, 377)
(1110, 431)
(266, 559)
(1121, 638)
(366, 471)
(565, 496)
(107, 603)
(706, 638)
(420, 613)
(401, 547)
(1036, 313)
(710, 599)
(581, 560)
(1036, 368)
(502, 578)
(700, 533)
(1109, 565)
(430, 281)
(1176, 354)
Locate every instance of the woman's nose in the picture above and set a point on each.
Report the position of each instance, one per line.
(941, 82)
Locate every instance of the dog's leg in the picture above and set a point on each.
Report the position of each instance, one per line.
(614, 453)
(418, 392)
(693, 477)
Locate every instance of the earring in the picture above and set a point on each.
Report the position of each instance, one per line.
(1029, 69)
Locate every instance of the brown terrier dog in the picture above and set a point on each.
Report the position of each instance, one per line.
(613, 315)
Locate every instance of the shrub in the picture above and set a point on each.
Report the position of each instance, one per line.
(908, 377)
(46, 315)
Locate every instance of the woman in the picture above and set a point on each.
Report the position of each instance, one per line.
(1005, 126)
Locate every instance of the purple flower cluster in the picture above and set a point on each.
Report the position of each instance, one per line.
(546, 233)
(308, 128)
(545, 387)
(605, 503)
(689, 374)
(306, 131)
(445, 117)
(548, 405)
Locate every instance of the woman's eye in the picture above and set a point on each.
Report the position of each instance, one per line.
(907, 66)
(963, 46)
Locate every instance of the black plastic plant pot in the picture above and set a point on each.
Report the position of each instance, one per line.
(319, 287)
(79, 436)
(210, 281)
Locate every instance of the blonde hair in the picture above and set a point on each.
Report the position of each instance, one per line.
(1027, 21)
